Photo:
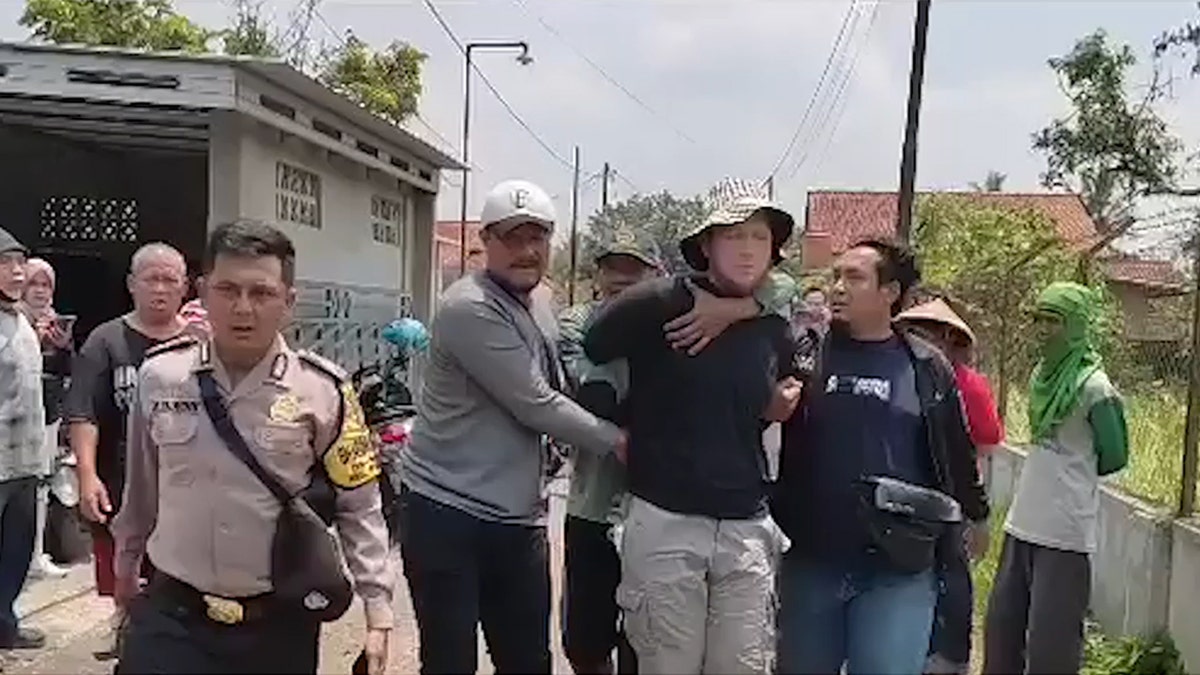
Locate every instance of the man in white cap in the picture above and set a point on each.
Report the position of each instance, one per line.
(473, 514)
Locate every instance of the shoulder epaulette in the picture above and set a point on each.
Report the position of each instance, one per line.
(172, 345)
(318, 362)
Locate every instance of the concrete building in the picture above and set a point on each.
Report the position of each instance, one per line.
(104, 150)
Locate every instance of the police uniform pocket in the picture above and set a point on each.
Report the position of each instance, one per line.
(174, 427)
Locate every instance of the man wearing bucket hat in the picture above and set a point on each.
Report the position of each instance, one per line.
(877, 469)
(935, 320)
(1077, 421)
(21, 462)
(473, 503)
(698, 546)
(624, 258)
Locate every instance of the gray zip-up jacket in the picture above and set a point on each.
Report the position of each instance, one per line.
(486, 402)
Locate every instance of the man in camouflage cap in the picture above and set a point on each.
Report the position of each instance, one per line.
(593, 569)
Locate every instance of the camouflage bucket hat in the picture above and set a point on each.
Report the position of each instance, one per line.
(626, 241)
(730, 202)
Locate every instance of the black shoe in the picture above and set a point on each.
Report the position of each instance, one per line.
(24, 638)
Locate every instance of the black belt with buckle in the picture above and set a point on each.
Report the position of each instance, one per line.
(228, 611)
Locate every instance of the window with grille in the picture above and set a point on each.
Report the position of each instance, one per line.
(75, 218)
(297, 195)
(388, 220)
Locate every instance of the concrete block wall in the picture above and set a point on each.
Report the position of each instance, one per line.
(1146, 570)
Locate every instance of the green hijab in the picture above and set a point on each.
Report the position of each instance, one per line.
(1067, 360)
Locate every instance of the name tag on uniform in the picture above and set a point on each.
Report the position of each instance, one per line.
(277, 435)
(172, 426)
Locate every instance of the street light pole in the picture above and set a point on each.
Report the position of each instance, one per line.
(524, 59)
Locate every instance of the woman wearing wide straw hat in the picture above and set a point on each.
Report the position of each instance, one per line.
(698, 546)
(950, 642)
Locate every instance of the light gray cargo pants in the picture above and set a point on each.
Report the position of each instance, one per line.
(698, 594)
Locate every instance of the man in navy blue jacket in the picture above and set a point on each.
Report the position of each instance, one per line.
(879, 404)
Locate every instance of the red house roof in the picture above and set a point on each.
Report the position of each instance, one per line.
(448, 235)
(1154, 275)
(836, 219)
(846, 217)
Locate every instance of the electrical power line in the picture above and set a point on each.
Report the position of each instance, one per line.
(837, 108)
(437, 134)
(524, 6)
(503, 102)
(838, 45)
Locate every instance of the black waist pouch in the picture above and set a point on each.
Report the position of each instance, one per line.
(905, 522)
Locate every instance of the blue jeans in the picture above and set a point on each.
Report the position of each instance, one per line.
(876, 622)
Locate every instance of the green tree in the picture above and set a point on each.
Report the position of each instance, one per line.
(1184, 39)
(993, 182)
(251, 34)
(993, 261)
(1109, 149)
(135, 24)
(385, 82)
(667, 217)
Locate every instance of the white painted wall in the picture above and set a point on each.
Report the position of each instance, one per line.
(341, 256)
(342, 251)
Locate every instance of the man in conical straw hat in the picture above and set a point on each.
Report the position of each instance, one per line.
(699, 547)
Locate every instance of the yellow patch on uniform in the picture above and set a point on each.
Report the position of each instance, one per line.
(352, 460)
(286, 408)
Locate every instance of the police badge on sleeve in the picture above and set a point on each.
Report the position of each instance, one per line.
(352, 461)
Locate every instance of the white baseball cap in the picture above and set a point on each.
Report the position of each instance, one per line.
(513, 203)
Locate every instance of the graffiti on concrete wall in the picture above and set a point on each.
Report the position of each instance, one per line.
(342, 322)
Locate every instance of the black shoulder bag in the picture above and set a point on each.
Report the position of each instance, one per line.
(307, 573)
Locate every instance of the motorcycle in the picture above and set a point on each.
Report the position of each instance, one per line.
(389, 409)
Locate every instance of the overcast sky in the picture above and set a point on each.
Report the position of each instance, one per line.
(727, 82)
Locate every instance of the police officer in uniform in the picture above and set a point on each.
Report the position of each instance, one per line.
(199, 513)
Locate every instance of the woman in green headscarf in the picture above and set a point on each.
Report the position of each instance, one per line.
(1041, 590)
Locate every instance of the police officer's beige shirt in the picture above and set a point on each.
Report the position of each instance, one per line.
(199, 512)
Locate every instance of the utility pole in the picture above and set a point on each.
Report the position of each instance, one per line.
(574, 228)
(771, 188)
(604, 188)
(1191, 430)
(908, 159)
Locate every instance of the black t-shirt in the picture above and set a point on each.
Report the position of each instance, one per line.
(103, 380)
(695, 422)
(864, 419)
